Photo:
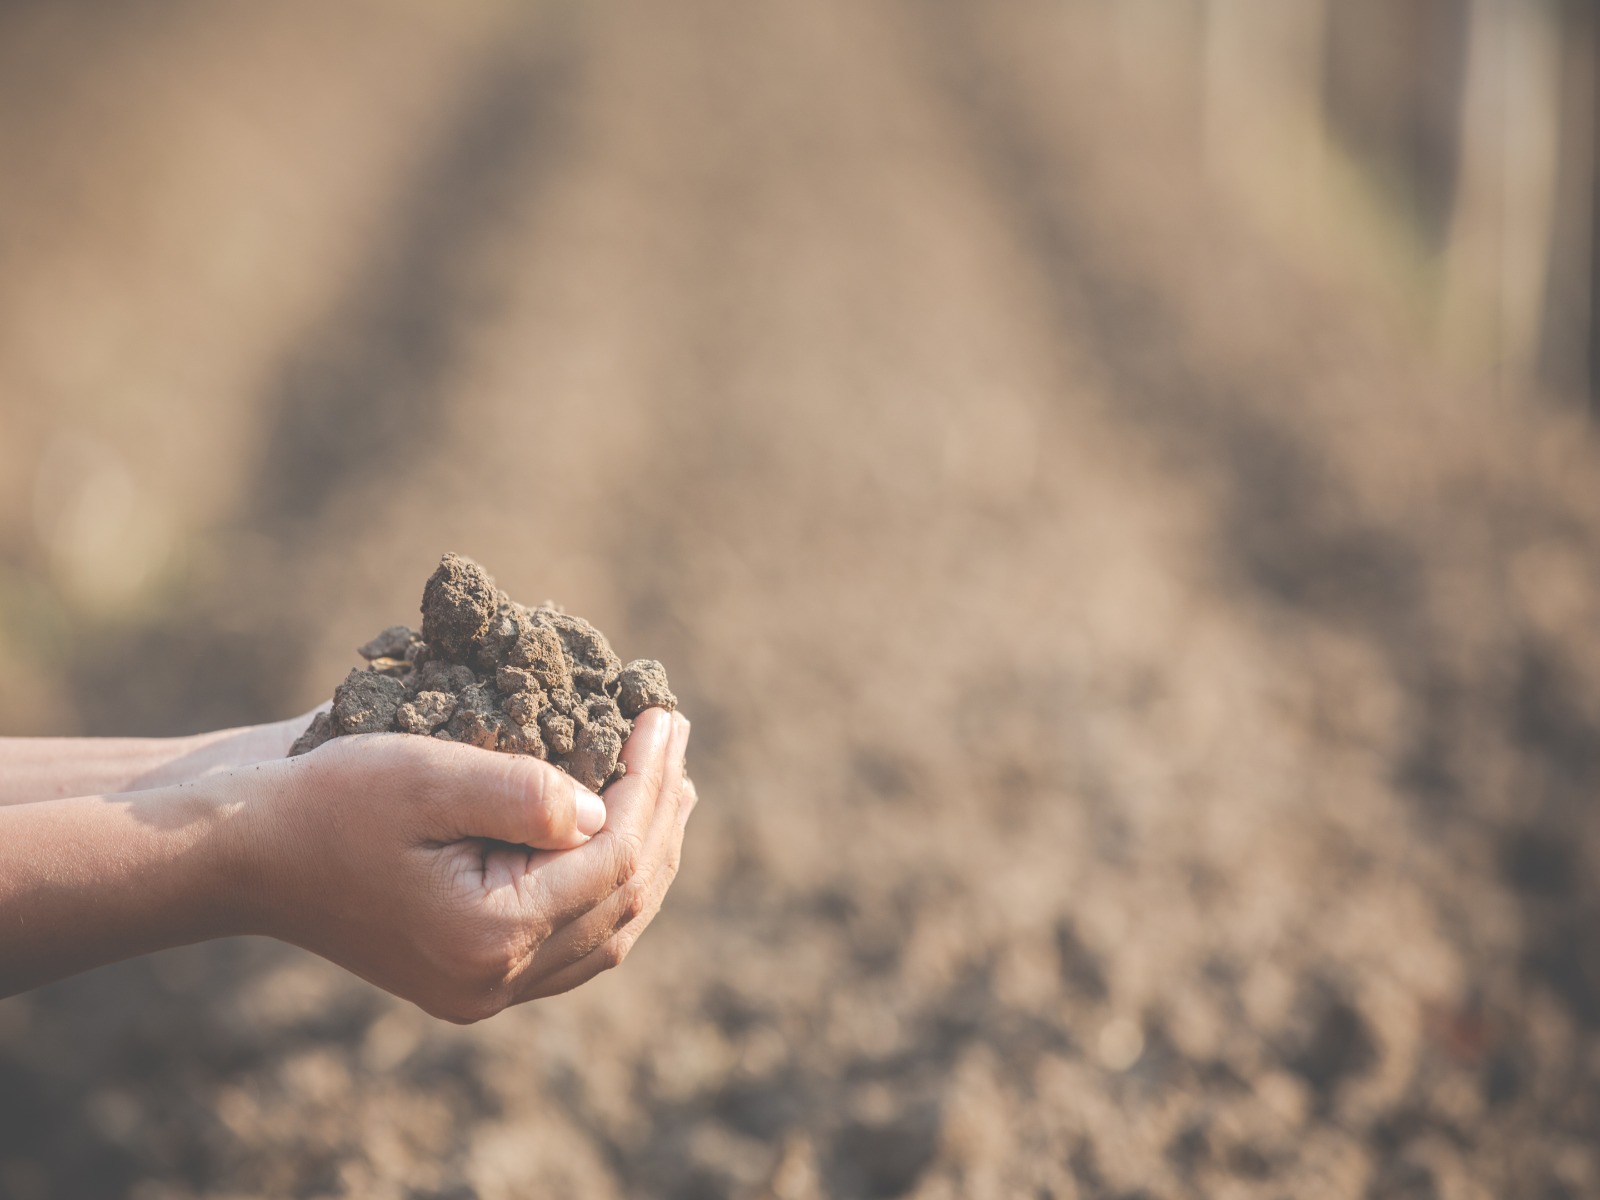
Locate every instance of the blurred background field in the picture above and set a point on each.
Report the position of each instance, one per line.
(1113, 483)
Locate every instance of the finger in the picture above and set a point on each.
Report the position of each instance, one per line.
(564, 886)
(612, 948)
(641, 896)
(512, 798)
(690, 796)
(573, 975)
(602, 937)
(671, 803)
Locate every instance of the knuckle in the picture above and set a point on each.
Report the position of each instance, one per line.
(635, 899)
(612, 954)
(628, 854)
(646, 779)
(654, 777)
(544, 825)
(532, 782)
(525, 792)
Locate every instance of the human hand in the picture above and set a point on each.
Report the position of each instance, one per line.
(461, 879)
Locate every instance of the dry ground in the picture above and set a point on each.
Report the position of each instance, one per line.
(1147, 717)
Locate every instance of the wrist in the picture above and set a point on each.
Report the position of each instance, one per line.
(201, 879)
(92, 879)
(265, 843)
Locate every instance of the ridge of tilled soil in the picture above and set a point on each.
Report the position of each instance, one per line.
(493, 673)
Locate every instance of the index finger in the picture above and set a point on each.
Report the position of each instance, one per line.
(574, 881)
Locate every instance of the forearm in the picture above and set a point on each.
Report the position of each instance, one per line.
(91, 880)
(53, 768)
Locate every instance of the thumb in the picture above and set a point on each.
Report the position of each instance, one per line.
(513, 798)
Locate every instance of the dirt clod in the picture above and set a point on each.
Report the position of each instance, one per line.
(490, 672)
(644, 685)
(457, 604)
(366, 701)
(393, 642)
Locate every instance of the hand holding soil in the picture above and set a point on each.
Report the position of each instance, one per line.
(462, 880)
(466, 882)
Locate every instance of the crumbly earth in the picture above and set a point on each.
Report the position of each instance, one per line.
(1147, 719)
(490, 672)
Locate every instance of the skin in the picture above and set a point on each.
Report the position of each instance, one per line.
(462, 880)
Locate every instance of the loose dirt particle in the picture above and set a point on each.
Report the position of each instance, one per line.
(490, 672)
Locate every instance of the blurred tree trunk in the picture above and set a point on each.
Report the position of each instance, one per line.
(1588, 55)
(1572, 272)
(1473, 123)
(1503, 221)
(1393, 96)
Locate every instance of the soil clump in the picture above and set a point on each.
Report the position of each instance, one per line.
(493, 673)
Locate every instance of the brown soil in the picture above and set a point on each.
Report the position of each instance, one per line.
(493, 673)
(1147, 713)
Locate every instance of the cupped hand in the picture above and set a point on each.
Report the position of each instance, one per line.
(461, 879)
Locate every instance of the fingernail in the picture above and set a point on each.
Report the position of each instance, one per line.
(591, 812)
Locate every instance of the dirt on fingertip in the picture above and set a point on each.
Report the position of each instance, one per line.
(490, 672)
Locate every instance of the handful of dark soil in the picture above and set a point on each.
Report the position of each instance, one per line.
(490, 672)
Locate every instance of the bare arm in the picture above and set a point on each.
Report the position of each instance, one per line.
(458, 878)
(93, 879)
(51, 768)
